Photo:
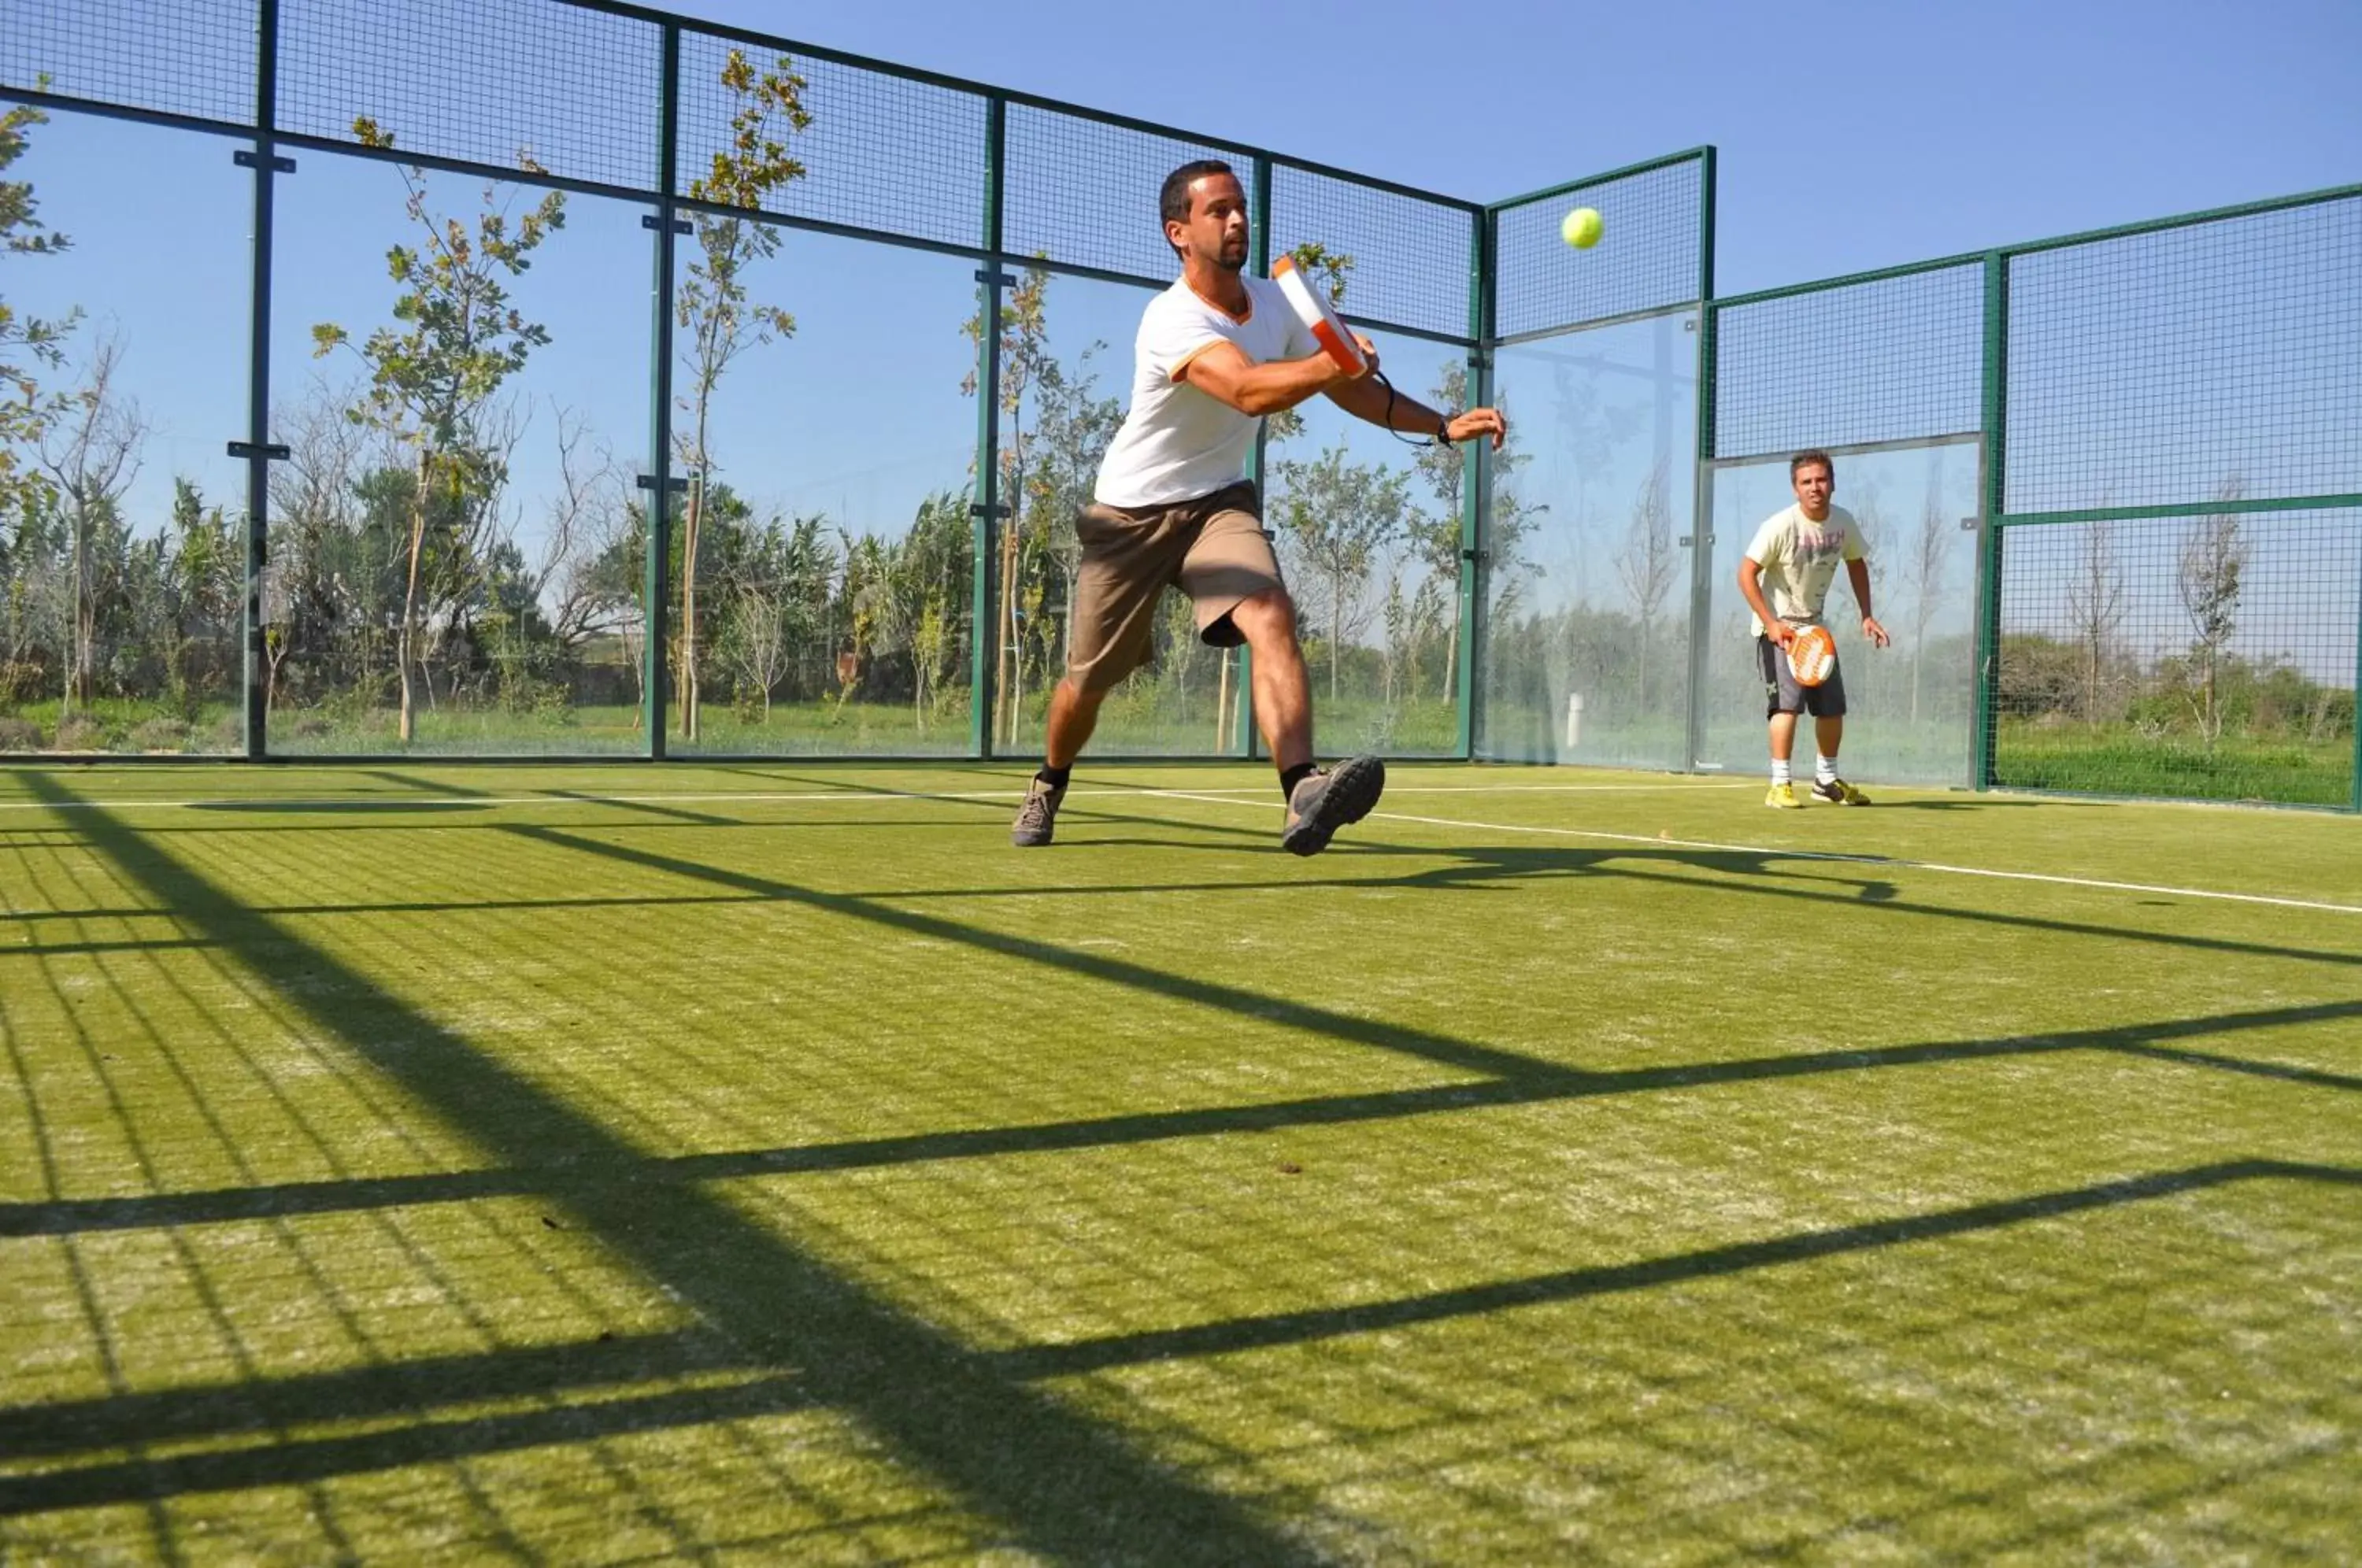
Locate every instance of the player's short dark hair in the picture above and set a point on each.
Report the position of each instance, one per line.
(1803, 460)
(1173, 203)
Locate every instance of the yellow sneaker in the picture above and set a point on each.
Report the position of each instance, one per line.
(1837, 792)
(1785, 797)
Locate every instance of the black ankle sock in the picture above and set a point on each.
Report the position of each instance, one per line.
(1055, 776)
(1289, 777)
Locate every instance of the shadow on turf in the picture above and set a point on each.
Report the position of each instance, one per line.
(358, 806)
(955, 1412)
(1513, 1076)
(1766, 872)
(1236, 1334)
(1884, 806)
(1055, 1482)
(1756, 873)
(1535, 1083)
(413, 1392)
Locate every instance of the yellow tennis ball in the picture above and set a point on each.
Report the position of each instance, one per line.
(1581, 228)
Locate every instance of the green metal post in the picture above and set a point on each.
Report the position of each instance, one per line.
(1990, 501)
(1259, 263)
(255, 449)
(1702, 486)
(1475, 480)
(984, 511)
(656, 586)
(1706, 299)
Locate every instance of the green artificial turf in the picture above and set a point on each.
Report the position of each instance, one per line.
(628, 1163)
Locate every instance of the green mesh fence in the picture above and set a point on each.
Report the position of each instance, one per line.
(1410, 253)
(1909, 706)
(2181, 560)
(1895, 358)
(1648, 258)
(886, 153)
(2210, 656)
(2182, 365)
(2111, 482)
(1367, 527)
(1886, 374)
(1081, 192)
(1587, 583)
(189, 58)
(465, 574)
(507, 84)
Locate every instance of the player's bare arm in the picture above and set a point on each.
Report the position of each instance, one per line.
(1369, 398)
(1223, 373)
(1750, 583)
(1858, 573)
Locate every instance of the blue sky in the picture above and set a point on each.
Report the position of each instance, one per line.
(1851, 137)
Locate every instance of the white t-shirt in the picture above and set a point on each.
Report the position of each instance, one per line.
(1178, 443)
(1799, 560)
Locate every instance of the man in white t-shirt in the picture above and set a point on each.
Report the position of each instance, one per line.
(1786, 578)
(1217, 352)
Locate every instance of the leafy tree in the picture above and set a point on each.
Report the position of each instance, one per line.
(435, 375)
(1341, 516)
(930, 575)
(715, 307)
(26, 342)
(781, 594)
(201, 566)
(1435, 536)
(1073, 426)
(309, 603)
(873, 614)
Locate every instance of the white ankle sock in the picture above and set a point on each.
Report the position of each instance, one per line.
(1779, 771)
(1824, 769)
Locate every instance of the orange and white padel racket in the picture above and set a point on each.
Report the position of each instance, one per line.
(1319, 319)
(1812, 654)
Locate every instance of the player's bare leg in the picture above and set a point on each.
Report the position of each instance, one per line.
(1318, 802)
(1283, 687)
(1074, 714)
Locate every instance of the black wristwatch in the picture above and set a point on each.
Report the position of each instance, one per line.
(1443, 430)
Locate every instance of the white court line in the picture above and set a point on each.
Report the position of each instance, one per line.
(391, 802)
(1878, 860)
(1488, 789)
(1222, 797)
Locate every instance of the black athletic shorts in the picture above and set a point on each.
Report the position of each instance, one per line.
(1781, 694)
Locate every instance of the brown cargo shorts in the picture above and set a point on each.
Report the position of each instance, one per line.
(1213, 548)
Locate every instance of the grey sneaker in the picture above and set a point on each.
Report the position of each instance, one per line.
(1037, 819)
(1329, 801)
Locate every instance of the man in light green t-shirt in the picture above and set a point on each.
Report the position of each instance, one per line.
(1786, 578)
